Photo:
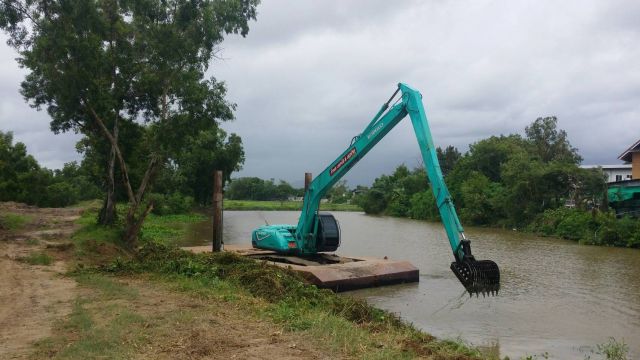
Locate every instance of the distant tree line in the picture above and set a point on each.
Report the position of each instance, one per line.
(532, 181)
(254, 188)
(22, 179)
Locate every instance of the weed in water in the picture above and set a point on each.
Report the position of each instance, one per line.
(611, 350)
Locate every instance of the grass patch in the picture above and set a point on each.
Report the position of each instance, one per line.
(347, 325)
(167, 229)
(13, 222)
(100, 325)
(37, 258)
(109, 288)
(282, 205)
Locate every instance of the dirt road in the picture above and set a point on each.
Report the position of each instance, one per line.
(45, 313)
(31, 296)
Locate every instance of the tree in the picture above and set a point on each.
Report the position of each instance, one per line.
(21, 178)
(448, 158)
(339, 193)
(97, 64)
(208, 150)
(549, 143)
(374, 202)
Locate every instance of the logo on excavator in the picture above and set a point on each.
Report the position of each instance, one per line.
(342, 161)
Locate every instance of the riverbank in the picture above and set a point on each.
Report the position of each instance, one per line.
(283, 206)
(165, 302)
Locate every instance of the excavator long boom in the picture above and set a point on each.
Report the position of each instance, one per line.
(309, 236)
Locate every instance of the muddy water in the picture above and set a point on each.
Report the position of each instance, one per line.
(557, 296)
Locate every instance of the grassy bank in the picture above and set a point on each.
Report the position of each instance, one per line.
(282, 205)
(347, 326)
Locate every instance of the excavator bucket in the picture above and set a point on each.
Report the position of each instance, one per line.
(478, 276)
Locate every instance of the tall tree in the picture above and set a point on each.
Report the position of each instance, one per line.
(95, 64)
(549, 143)
(448, 158)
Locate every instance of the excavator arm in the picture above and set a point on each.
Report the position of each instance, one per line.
(310, 235)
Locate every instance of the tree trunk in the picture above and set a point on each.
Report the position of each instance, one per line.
(108, 214)
(133, 226)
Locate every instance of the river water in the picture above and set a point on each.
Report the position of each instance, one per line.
(556, 296)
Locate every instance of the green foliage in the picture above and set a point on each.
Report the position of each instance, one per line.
(507, 181)
(576, 225)
(448, 158)
(193, 165)
(339, 193)
(23, 180)
(283, 205)
(423, 206)
(38, 258)
(13, 222)
(97, 66)
(549, 143)
(253, 188)
(168, 204)
(481, 198)
(596, 228)
(611, 350)
(168, 229)
(374, 202)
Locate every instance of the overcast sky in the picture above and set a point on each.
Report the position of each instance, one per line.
(311, 74)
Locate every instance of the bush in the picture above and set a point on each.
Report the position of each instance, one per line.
(547, 223)
(576, 225)
(175, 203)
(374, 202)
(616, 232)
(423, 206)
(61, 194)
(398, 205)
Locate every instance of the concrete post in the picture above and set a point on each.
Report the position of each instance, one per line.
(217, 211)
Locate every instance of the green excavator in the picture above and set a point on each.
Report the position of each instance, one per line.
(320, 232)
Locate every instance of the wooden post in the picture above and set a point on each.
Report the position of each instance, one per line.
(217, 211)
(307, 181)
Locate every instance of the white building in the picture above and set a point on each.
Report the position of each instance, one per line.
(614, 173)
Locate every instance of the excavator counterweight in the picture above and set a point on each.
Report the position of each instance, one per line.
(319, 232)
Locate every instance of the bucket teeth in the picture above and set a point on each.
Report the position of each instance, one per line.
(478, 277)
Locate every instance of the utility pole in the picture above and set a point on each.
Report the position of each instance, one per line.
(217, 211)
